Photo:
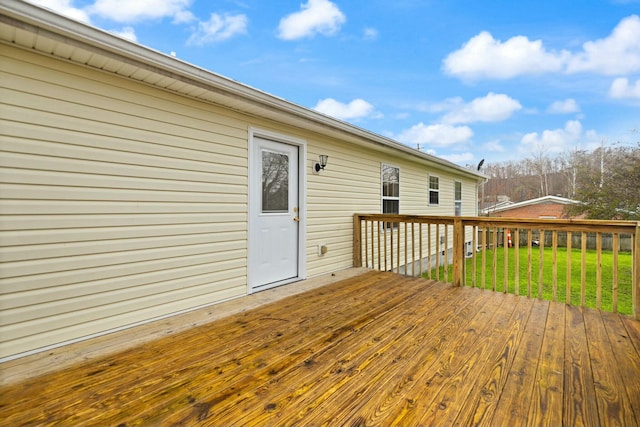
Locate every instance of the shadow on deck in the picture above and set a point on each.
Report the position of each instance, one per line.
(375, 349)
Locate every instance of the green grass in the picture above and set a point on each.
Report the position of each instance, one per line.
(624, 276)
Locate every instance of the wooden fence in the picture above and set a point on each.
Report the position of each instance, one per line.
(510, 255)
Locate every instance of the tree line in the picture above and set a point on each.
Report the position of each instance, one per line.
(606, 180)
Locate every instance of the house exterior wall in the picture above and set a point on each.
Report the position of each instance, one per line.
(124, 203)
(121, 202)
(351, 184)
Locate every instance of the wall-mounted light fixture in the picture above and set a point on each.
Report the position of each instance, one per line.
(319, 166)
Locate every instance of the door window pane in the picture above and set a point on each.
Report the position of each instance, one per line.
(275, 182)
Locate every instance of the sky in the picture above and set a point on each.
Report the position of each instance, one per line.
(463, 80)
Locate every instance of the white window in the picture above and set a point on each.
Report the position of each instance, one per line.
(434, 190)
(390, 189)
(457, 198)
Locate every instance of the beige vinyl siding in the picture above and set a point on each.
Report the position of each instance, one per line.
(121, 203)
(469, 198)
(351, 184)
(414, 195)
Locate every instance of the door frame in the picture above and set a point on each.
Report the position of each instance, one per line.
(254, 208)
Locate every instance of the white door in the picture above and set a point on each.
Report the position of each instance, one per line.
(274, 214)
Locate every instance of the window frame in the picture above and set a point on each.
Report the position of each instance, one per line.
(384, 197)
(457, 202)
(436, 190)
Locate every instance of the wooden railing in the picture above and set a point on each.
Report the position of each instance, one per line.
(580, 262)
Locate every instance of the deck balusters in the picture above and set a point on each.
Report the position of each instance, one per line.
(614, 273)
(569, 277)
(442, 247)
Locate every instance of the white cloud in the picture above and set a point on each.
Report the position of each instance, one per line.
(370, 33)
(218, 28)
(621, 88)
(558, 140)
(64, 7)
(439, 135)
(490, 108)
(183, 17)
(494, 146)
(567, 106)
(138, 10)
(358, 108)
(485, 57)
(126, 32)
(316, 17)
(617, 54)
(458, 158)
(447, 105)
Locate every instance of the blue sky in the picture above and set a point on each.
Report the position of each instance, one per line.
(464, 80)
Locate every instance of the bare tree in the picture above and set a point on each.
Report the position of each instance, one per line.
(607, 180)
(608, 183)
(541, 164)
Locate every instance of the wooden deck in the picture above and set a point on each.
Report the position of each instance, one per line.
(376, 349)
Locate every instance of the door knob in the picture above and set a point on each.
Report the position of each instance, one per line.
(296, 218)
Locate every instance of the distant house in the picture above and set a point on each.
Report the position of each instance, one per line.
(502, 201)
(136, 186)
(550, 207)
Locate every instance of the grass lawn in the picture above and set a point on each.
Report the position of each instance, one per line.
(624, 275)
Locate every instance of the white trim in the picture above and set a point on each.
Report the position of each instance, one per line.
(302, 200)
(456, 201)
(382, 196)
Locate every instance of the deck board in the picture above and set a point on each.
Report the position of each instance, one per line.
(407, 362)
(627, 360)
(375, 349)
(548, 389)
(513, 403)
(450, 367)
(614, 407)
(492, 374)
(579, 398)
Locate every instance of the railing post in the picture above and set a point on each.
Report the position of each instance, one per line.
(458, 251)
(636, 273)
(357, 241)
